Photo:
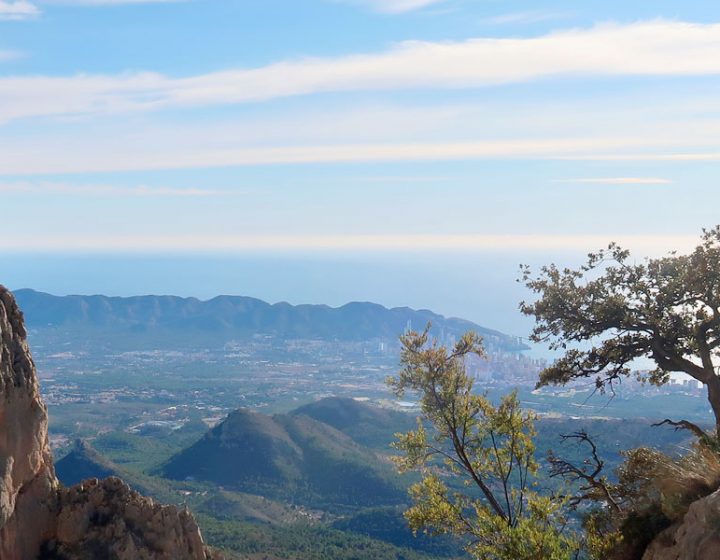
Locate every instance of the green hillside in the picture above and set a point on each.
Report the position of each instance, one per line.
(302, 485)
(293, 457)
(388, 525)
(84, 462)
(368, 425)
(301, 542)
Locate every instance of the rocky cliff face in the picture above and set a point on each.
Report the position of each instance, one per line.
(27, 481)
(696, 537)
(38, 518)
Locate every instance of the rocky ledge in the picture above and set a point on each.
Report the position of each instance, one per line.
(696, 537)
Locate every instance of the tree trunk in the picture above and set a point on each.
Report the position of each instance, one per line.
(713, 386)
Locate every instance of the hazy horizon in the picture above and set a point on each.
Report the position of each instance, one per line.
(481, 287)
(404, 152)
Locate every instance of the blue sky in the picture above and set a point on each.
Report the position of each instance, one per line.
(410, 152)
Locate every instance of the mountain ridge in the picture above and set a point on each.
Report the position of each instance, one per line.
(243, 316)
(371, 426)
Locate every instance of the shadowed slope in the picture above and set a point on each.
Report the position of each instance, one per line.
(293, 456)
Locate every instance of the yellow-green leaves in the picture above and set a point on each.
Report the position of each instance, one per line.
(534, 536)
(415, 448)
(476, 459)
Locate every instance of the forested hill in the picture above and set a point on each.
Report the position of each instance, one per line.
(240, 316)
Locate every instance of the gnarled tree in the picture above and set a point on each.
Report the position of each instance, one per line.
(666, 309)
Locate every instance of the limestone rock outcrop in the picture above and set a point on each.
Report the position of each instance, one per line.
(96, 519)
(696, 537)
(28, 487)
(109, 520)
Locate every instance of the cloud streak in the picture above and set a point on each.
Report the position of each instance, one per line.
(18, 10)
(655, 244)
(619, 181)
(395, 6)
(66, 189)
(9, 55)
(677, 128)
(532, 16)
(109, 2)
(656, 48)
(580, 149)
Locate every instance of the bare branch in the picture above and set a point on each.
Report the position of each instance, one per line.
(685, 425)
(593, 481)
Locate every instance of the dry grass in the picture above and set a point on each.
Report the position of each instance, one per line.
(682, 481)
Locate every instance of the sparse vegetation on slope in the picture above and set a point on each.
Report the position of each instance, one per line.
(368, 425)
(291, 456)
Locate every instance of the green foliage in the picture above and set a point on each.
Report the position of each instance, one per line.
(535, 535)
(464, 437)
(604, 316)
(388, 524)
(144, 452)
(601, 537)
(299, 542)
(665, 309)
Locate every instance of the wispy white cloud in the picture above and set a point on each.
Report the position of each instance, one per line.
(394, 6)
(18, 10)
(67, 189)
(207, 156)
(9, 55)
(654, 244)
(203, 157)
(656, 48)
(383, 6)
(619, 181)
(531, 16)
(108, 2)
(414, 179)
(640, 156)
(674, 129)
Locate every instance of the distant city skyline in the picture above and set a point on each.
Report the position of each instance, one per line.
(409, 152)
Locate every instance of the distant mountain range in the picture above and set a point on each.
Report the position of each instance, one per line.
(240, 317)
